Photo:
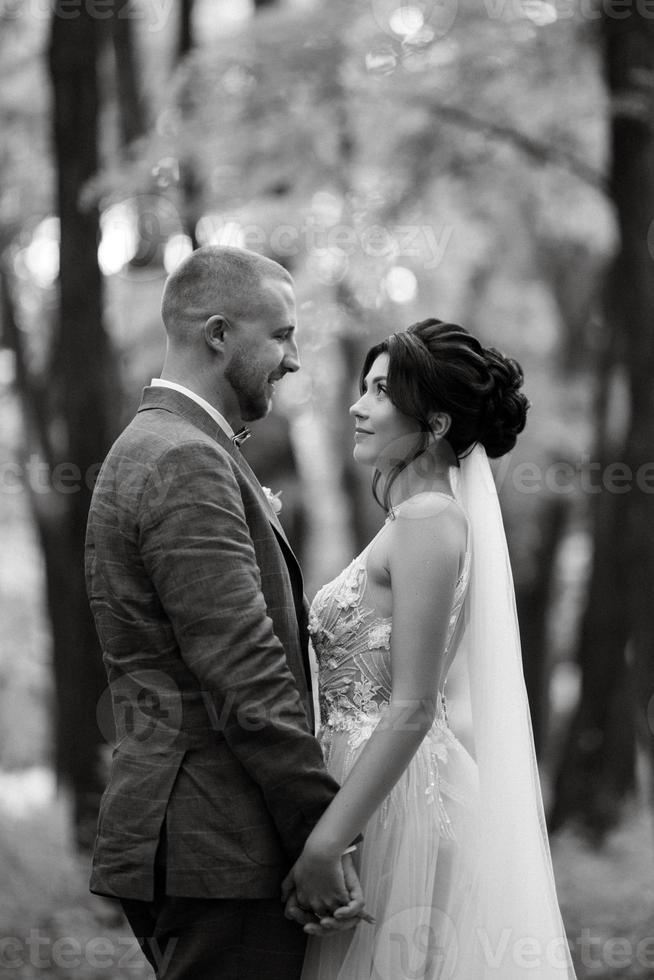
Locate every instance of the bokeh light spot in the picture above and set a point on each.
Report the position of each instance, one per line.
(177, 249)
(381, 60)
(406, 20)
(401, 284)
(119, 241)
(539, 12)
(41, 257)
(327, 207)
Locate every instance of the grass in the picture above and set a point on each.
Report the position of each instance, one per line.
(51, 927)
(607, 899)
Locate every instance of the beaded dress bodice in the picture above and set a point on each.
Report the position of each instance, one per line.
(352, 644)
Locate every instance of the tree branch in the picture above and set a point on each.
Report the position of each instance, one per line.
(542, 153)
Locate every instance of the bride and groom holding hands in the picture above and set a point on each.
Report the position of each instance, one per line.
(239, 843)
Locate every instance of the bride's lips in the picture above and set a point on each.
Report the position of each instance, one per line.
(362, 432)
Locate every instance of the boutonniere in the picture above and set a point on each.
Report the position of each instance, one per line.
(273, 499)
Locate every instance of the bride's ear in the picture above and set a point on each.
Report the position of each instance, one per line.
(440, 423)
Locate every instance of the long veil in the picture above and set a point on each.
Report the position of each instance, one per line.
(519, 930)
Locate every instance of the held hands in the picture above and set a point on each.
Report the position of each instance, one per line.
(323, 893)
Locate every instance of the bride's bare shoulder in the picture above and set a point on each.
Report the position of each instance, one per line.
(434, 516)
(428, 504)
(428, 539)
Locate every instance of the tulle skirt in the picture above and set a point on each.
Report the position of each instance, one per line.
(417, 865)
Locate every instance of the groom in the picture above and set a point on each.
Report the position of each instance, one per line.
(216, 779)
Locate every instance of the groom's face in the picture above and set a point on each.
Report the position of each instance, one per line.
(265, 349)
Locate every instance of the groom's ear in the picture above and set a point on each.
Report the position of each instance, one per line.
(216, 329)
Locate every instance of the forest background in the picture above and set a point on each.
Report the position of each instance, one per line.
(490, 163)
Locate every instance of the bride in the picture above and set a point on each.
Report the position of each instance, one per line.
(454, 860)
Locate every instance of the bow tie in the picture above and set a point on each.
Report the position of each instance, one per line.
(239, 437)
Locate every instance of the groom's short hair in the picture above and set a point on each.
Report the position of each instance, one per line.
(217, 279)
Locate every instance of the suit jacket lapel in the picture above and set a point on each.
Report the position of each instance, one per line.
(254, 482)
(178, 403)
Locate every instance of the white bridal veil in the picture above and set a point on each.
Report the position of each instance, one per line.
(518, 923)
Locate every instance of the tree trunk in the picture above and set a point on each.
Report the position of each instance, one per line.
(132, 118)
(598, 761)
(83, 377)
(597, 767)
(190, 185)
(130, 99)
(533, 602)
(630, 66)
(185, 32)
(598, 771)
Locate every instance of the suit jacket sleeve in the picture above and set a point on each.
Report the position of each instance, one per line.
(197, 550)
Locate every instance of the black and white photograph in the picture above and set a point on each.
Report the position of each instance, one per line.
(326, 489)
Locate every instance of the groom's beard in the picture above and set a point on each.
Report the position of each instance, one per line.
(249, 382)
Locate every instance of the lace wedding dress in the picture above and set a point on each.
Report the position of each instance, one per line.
(455, 864)
(418, 859)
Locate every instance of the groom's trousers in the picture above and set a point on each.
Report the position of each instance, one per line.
(214, 938)
(217, 939)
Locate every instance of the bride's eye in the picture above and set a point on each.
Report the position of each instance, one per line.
(381, 389)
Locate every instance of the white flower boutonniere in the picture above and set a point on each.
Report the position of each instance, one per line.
(273, 499)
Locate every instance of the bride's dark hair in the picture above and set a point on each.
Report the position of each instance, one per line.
(440, 367)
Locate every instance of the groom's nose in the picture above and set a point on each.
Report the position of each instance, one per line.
(291, 361)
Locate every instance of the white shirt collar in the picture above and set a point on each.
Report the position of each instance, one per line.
(209, 409)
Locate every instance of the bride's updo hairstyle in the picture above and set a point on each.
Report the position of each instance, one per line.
(440, 367)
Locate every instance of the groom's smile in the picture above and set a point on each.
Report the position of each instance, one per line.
(265, 350)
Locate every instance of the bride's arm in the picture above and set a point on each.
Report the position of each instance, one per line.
(426, 544)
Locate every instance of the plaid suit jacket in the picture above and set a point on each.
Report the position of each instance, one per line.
(198, 602)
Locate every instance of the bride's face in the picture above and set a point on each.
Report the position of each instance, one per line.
(383, 435)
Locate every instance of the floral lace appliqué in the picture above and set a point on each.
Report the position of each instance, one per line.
(379, 636)
(352, 645)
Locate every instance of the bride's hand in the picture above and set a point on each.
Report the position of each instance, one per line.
(318, 878)
(346, 916)
(312, 903)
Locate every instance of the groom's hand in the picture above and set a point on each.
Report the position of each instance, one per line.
(319, 880)
(323, 895)
(346, 916)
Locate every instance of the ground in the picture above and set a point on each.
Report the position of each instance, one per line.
(50, 927)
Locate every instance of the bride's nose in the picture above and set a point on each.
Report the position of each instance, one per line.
(355, 410)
